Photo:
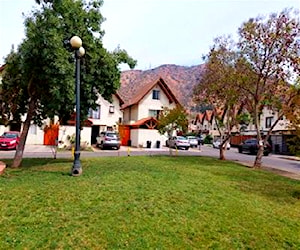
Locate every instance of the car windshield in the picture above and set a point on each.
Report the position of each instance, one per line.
(191, 137)
(251, 141)
(114, 135)
(9, 135)
(181, 138)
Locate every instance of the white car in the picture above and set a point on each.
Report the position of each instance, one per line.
(193, 141)
(178, 142)
(217, 143)
(108, 139)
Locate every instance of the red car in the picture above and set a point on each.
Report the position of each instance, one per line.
(9, 140)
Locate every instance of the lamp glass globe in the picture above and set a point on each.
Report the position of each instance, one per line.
(76, 42)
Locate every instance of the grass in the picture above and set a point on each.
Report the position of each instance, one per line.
(156, 202)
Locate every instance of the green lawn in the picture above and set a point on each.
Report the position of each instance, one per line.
(146, 202)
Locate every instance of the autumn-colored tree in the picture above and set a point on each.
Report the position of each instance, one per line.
(219, 88)
(171, 120)
(271, 47)
(292, 113)
(39, 76)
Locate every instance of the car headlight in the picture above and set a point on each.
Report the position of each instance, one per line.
(12, 142)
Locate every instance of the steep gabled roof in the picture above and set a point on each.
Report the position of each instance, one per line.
(142, 89)
(208, 115)
(199, 117)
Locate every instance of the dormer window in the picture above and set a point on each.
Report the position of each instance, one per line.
(111, 109)
(155, 94)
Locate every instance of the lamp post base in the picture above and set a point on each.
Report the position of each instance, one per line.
(76, 172)
(76, 169)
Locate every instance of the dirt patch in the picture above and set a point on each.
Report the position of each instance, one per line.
(283, 173)
(290, 175)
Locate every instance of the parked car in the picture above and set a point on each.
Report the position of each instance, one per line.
(10, 140)
(200, 139)
(178, 142)
(251, 146)
(108, 139)
(217, 143)
(193, 140)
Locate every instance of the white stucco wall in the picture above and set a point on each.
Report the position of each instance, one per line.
(35, 135)
(65, 131)
(107, 118)
(130, 114)
(281, 125)
(139, 137)
(147, 103)
(3, 129)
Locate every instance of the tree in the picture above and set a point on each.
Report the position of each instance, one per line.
(271, 47)
(171, 120)
(218, 87)
(293, 115)
(41, 72)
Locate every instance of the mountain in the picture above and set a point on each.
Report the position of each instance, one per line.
(180, 79)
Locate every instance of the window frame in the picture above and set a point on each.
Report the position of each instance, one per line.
(269, 121)
(95, 114)
(155, 94)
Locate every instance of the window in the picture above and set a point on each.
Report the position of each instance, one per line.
(111, 109)
(154, 113)
(269, 121)
(94, 114)
(155, 94)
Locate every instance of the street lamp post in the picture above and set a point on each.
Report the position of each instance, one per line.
(76, 43)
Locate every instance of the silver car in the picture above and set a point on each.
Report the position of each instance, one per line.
(108, 139)
(217, 143)
(178, 142)
(193, 141)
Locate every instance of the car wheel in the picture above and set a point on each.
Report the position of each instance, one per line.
(187, 148)
(240, 150)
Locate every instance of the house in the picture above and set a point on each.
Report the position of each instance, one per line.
(107, 116)
(279, 137)
(141, 108)
(206, 124)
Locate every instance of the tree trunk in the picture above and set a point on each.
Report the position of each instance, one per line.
(258, 158)
(257, 162)
(170, 151)
(222, 153)
(20, 148)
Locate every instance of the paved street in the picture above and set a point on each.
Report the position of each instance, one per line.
(279, 162)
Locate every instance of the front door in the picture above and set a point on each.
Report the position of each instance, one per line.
(95, 133)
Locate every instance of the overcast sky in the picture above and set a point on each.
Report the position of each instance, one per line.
(155, 32)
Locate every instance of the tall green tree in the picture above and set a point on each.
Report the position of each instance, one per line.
(46, 86)
(271, 46)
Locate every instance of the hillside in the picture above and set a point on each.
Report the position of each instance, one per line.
(180, 79)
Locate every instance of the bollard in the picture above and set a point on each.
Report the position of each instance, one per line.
(128, 151)
(73, 151)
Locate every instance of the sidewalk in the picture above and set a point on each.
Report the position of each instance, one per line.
(287, 157)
